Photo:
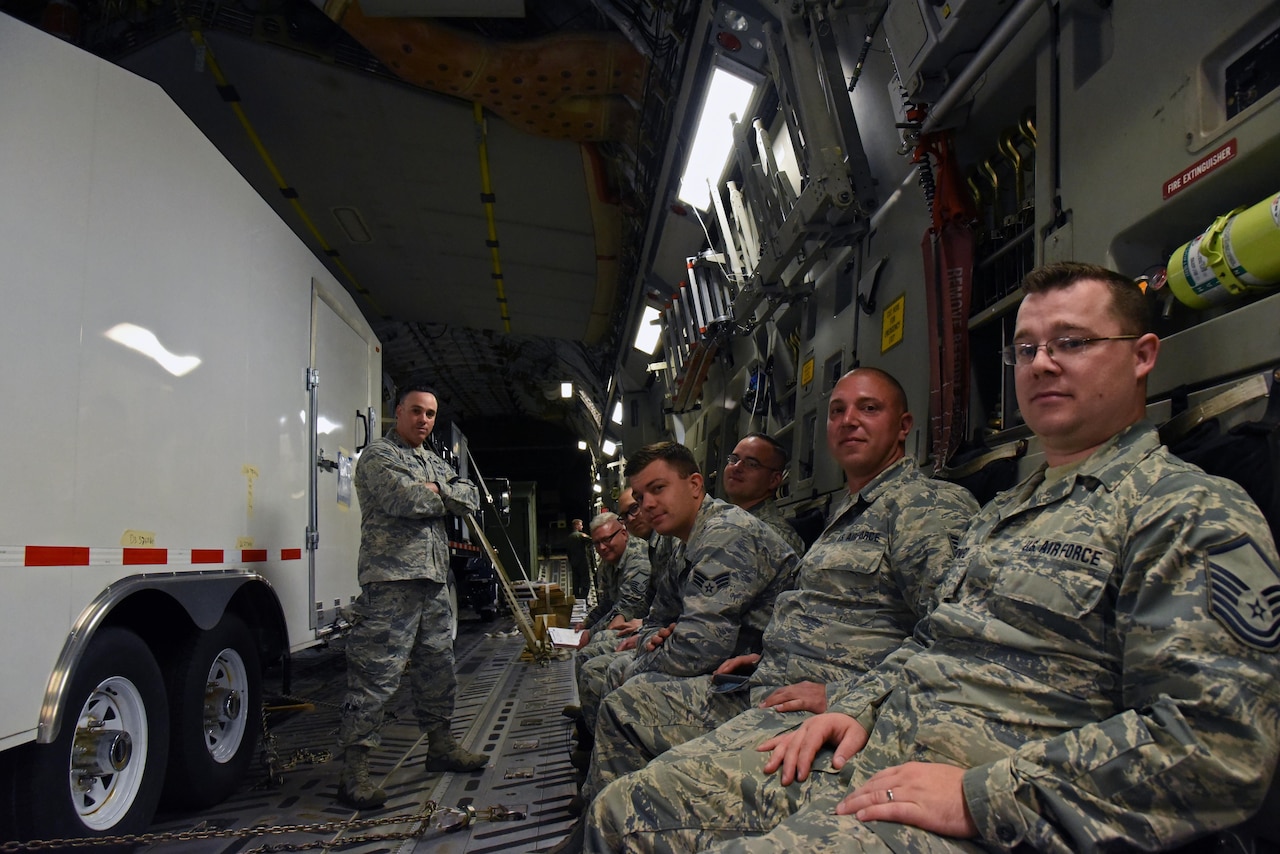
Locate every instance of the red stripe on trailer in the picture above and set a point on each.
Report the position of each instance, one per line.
(206, 555)
(291, 554)
(145, 557)
(253, 555)
(56, 556)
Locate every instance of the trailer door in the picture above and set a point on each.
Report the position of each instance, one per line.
(346, 365)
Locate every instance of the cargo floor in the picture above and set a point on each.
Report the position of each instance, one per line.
(507, 706)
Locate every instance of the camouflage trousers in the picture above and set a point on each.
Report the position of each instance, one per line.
(711, 794)
(597, 677)
(651, 713)
(401, 628)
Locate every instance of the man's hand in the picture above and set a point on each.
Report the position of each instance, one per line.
(733, 665)
(626, 644)
(433, 486)
(800, 697)
(659, 637)
(794, 751)
(625, 627)
(927, 795)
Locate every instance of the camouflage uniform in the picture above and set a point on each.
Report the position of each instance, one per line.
(625, 590)
(1102, 663)
(862, 587)
(623, 587)
(729, 574)
(767, 511)
(402, 619)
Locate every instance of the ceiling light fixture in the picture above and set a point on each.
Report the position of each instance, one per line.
(727, 94)
(650, 331)
(566, 390)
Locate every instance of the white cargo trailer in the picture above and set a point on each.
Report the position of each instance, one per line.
(185, 389)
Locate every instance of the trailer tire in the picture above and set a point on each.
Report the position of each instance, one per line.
(117, 686)
(215, 702)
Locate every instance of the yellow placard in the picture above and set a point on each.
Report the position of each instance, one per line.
(891, 324)
(244, 542)
(806, 371)
(132, 539)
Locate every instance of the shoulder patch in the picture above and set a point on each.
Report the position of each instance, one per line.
(709, 585)
(1244, 594)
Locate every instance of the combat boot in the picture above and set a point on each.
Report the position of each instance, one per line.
(445, 754)
(354, 787)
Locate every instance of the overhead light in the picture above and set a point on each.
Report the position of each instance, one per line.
(597, 488)
(617, 413)
(727, 94)
(582, 446)
(608, 448)
(145, 342)
(649, 332)
(566, 390)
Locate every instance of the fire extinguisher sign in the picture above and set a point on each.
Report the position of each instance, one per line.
(1199, 169)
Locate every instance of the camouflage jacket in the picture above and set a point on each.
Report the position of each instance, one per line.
(1103, 661)
(767, 511)
(623, 587)
(867, 580)
(402, 530)
(731, 571)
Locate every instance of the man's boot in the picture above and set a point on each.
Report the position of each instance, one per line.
(445, 754)
(354, 787)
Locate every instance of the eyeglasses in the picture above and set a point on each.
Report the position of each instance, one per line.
(750, 462)
(630, 513)
(1066, 347)
(603, 542)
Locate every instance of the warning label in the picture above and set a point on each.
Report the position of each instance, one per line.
(1199, 169)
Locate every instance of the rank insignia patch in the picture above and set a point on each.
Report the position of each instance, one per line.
(1244, 594)
(709, 585)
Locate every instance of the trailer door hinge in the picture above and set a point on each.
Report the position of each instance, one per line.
(313, 378)
(313, 539)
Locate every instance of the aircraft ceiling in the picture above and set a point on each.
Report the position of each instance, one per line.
(366, 139)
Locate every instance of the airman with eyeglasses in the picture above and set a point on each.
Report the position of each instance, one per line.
(752, 475)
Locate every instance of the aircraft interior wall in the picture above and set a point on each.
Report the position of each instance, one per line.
(1100, 110)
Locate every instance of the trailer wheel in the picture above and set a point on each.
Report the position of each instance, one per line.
(102, 775)
(215, 699)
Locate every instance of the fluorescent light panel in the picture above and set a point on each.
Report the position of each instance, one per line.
(650, 329)
(727, 94)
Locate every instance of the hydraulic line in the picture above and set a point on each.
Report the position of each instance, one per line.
(487, 198)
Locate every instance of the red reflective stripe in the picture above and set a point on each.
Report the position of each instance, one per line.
(145, 557)
(253, 555)
(56, 556)
(291, 554)
(206, 555)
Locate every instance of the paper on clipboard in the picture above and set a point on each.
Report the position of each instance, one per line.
(565, 638)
